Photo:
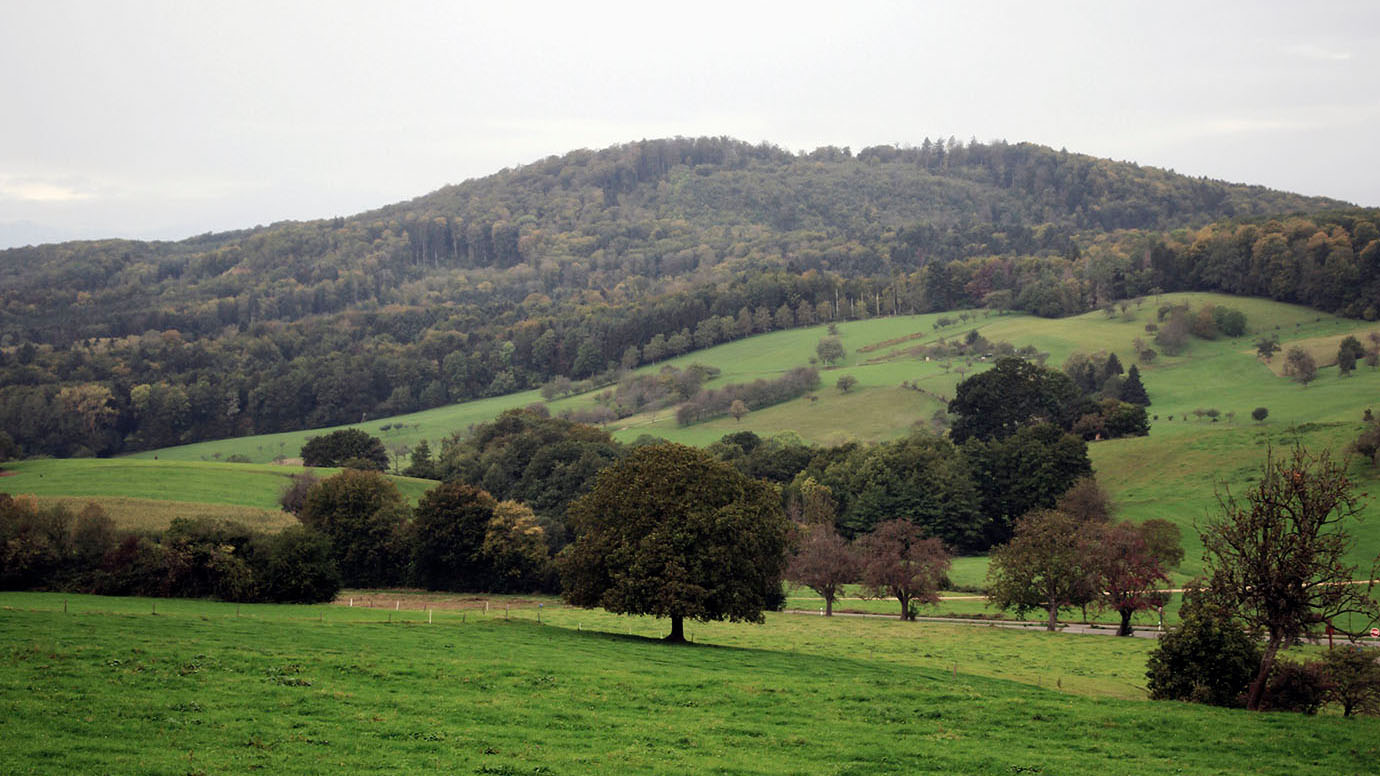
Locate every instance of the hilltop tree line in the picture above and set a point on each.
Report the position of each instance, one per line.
(579, 266)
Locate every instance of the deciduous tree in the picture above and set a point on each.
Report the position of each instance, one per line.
(1276, 557)
(668, 531)
(899, 562)
(1049, 564)
(824, 563)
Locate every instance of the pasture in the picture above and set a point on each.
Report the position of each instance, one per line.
(109, 687)
(146, 495)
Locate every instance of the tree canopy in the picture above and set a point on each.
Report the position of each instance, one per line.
(668, 531)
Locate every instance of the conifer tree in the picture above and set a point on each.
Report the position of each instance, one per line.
(1133, 390)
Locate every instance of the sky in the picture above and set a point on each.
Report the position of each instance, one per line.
(163, 120)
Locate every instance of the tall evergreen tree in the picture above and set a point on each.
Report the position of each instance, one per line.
(1132, 390)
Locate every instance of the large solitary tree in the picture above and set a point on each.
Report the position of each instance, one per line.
(1276, 558)
(671, 532)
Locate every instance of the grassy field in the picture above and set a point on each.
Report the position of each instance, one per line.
(147, 494)
(109, 687)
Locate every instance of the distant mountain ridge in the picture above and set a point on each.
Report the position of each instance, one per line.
(579, 264)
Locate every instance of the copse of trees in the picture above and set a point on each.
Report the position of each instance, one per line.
(50, 548)
(711, 403)
(346, 447)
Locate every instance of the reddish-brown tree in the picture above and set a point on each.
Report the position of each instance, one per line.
(825, 563)
(899, 562)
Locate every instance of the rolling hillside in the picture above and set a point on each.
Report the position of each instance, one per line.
(1171, 474)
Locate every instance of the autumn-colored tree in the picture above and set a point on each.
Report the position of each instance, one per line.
(899, 562)
(824, 563)
(1087, 501)
(671, 532)
(1276, 557)
(738, 409)
(514, 549)
(1299, 365)
(1127, 571)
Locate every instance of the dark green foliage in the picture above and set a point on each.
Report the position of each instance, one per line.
(296, 565)
(1030, 470)
(668, 531)
(421, 464)
(450, 523)
(1133, 390)
(8, 448)
(1011, 395)
(1230, 321)
(1352, 679)
(542, 462)
(1206, 658)
(1259, 414)
(845, 383)
(349, 447)
(1298, 687)
(1348, 353)
(34, 543)
(366, 520)
(922, 479)
(777, 459)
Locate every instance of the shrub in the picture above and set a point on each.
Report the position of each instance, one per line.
(1260, 413)
(1207, 658)
(1300, 687)
(1353, 679)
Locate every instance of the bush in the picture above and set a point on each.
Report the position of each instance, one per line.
(1353, 679)
(1260, 413)
(337, 447)
(1208, 658)
(1300, 687)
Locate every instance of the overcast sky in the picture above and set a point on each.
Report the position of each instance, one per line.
(168, 119)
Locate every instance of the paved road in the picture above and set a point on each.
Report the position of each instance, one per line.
(1101, 629)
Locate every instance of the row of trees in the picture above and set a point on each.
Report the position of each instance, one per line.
(50, 548)
(457, 538)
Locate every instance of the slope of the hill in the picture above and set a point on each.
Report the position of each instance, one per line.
(578, 264)
(1173, 473)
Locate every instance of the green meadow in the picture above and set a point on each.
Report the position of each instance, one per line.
(98, 685)
(146, 494)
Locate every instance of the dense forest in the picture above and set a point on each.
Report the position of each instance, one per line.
(578, 265)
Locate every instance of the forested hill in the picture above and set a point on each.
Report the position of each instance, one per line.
(576, 264)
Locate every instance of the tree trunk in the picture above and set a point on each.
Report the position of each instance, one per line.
(677, 635)
(905, 607)
(1053, 623)
(1125, 629)
(829, 606)
(1256, 693)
